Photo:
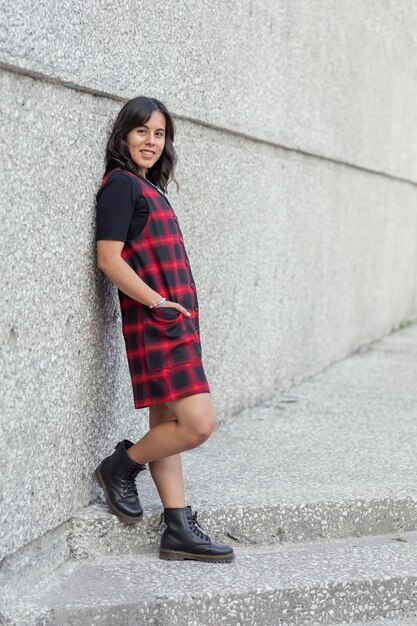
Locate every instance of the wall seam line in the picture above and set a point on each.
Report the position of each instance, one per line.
(104, 94)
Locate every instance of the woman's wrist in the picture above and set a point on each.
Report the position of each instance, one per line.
(157, 303)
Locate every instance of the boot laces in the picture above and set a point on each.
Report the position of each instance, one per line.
(128, 480)
(195, 526)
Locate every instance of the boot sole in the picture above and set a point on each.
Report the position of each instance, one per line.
(123, 516)
(179, 555)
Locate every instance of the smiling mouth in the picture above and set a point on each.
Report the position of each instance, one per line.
(147, 152)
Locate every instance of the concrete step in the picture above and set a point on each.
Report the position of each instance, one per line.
(95, 531)
(343, 581)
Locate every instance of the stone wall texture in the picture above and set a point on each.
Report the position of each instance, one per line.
(296, 137)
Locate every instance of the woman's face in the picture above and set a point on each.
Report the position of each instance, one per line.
(146, 142)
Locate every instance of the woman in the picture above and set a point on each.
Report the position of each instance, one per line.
(140, 247)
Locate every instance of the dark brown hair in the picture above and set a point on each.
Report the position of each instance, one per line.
(134, 113)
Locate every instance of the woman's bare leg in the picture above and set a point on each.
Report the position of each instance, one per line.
(167, 473)
(194, 422)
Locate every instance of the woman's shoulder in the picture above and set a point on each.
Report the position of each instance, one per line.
(119, 180)
(120, 175)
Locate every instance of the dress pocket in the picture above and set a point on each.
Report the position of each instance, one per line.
(169, 339)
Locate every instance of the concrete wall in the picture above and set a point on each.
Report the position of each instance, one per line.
(296, 135)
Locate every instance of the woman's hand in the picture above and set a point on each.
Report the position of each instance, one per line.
(175, 305)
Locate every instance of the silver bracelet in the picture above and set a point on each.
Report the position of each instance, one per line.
(152, 306)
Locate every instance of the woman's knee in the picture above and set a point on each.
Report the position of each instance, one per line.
(201, 427)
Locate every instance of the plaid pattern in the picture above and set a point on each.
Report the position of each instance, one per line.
(163, 346)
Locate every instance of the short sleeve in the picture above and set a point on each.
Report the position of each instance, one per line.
(115, 206)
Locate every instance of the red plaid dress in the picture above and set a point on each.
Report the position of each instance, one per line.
(163, 346)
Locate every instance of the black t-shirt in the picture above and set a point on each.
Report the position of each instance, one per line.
(121, 209)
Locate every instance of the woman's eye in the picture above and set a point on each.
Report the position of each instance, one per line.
(143, 130)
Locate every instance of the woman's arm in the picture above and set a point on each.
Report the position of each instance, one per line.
(125, 278)
(110, 262)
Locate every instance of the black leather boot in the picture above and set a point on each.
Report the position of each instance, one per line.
(116, 475)
(183, 539)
